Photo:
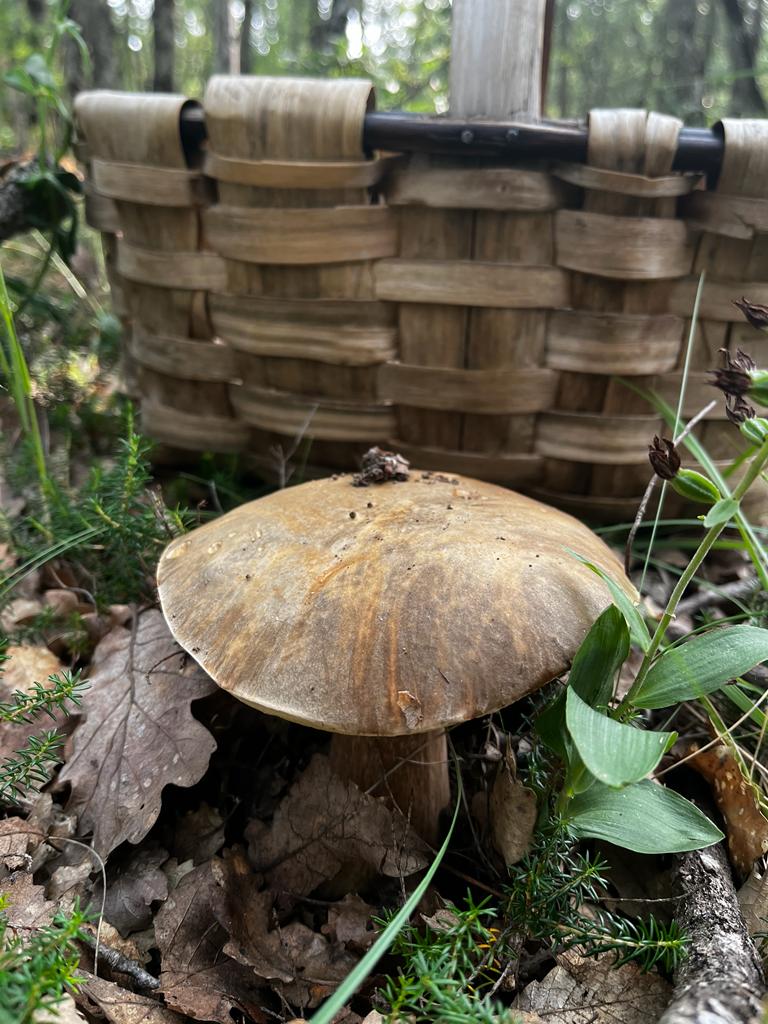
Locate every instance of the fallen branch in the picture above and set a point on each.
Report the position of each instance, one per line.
(118, 962)
(720, 981)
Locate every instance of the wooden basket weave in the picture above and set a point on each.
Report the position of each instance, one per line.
(475, 316)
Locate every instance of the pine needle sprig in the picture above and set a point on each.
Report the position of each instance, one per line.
(31, 765)
(37, 969)
(552, 897)
(24, 706)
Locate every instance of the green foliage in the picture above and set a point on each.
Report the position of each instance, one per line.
(37, 970)
(111, 530)
(449, 968)
(31, 765)
(546, 898)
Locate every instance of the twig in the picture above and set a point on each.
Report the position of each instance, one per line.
(117, 962)
(720, 980)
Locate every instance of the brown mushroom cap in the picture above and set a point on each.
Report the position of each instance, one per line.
(387, 610)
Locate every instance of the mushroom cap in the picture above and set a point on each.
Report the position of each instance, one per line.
(386, 610)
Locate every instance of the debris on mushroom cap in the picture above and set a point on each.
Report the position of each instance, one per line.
(441, 600)
(380, 466)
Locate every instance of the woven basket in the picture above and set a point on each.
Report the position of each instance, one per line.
(475, 316)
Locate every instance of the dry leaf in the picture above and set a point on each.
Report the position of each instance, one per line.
(737, 801)
(351, 922)
(18, 841)
(138, 735)
(593, 990)
(306, 964)
(512, 813)
(119, 1006)
(26, 907)
(325, 824)
(27, 664)
(64, 1012)
(19, 612)
(198, 835)
(197, 977)
(132, 889)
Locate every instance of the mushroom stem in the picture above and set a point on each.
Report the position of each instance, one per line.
(418, 782)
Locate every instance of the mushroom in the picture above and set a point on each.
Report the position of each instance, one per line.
(385, 614)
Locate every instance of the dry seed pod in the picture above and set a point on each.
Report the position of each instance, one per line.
(388, 612)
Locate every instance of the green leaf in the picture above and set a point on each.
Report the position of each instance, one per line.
(550, 727)
(702, 665)
(601, 654)
(39, 71)
(721, 512)
(637, 627)
(644, 817)
(615, 753)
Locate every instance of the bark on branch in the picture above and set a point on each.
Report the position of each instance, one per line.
(721, 979)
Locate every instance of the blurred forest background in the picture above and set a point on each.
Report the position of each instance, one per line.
(699, 59)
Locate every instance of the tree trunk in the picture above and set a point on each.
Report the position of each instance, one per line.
(96, 27)
(743, 40)
(162, 25)
(221, 37)
(245, 38)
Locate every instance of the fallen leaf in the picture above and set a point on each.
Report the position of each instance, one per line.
(198, 835)
(119, 1006)
(350, 921)
(737, 800)
(63, 1012)
(197, 977)
(306, 966)
(19, 612)
(18, 841)
(132, 888)
(512, 813)
(139, 734)
(326, 824)
(26, 907)
(27, 664)
(593, 990)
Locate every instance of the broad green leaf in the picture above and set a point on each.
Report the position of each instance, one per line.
(721, 512)
(601, 654)
(637, 627)
(643, 817)
(615, 753)
(702, 665)
(550, 727)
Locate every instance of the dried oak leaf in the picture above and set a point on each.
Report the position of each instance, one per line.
(197, 977)
(350, 921)
(512, 813)
(737, 800)
(325, 824)
(28, 664)
(26, 907)
(138, 735)
(119, 1006)
(132, 888)
(593, 990)
(18, 841)
(198, 835)
(302, 964)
